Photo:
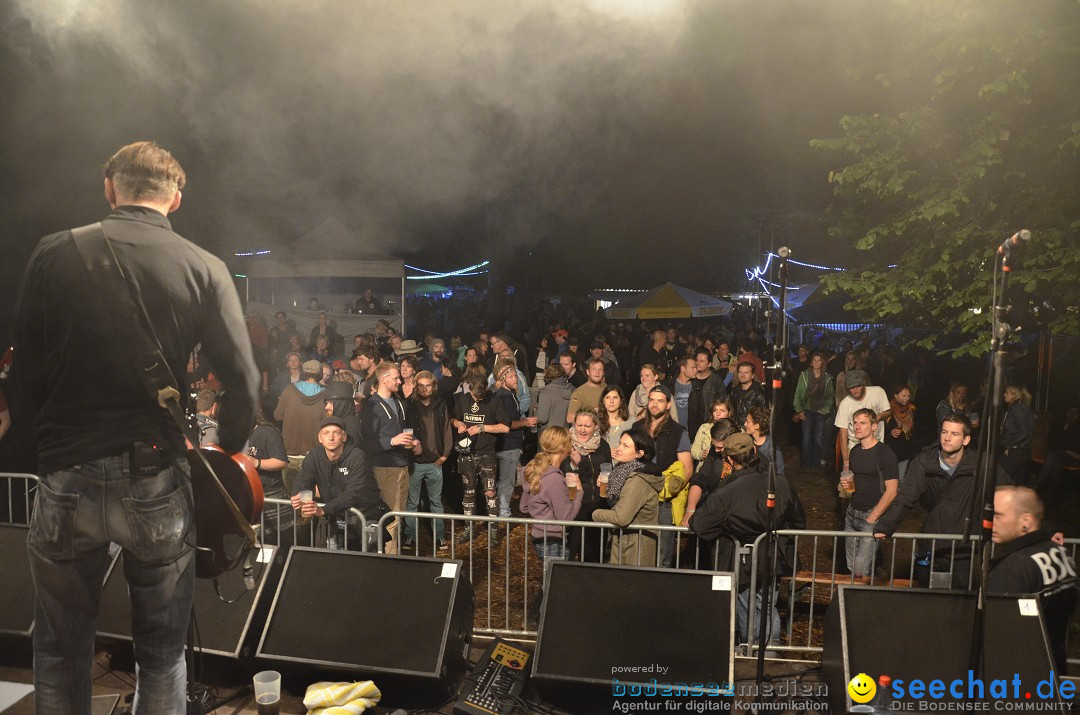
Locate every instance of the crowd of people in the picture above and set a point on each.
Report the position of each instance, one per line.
(642, 425)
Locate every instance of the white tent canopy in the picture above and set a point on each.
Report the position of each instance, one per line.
(669, 301)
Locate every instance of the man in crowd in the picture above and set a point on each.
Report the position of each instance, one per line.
(686, 392)
(712, 384)
(368, 304)
(1028, 560)
(672, 445)
(860, 396)
(501, 341)
(569, 363)
(611, 367)
(588, 395)
(735, 510)
(338, 468)
(655, 353)
(300, 409)
(479, 417)
(388, 447)
(745, 353)
(942, 479)
(430, 420)
(437, 362)
(748, 393)
(561, 346)
(206, 415)
(508, 446)
(107, 452)
(363, 364)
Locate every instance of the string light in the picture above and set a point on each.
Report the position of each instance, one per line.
(436, 275)
(263, 252)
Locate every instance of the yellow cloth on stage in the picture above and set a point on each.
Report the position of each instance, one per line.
(341, 698)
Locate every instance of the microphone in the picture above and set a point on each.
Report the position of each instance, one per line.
(1013, 241)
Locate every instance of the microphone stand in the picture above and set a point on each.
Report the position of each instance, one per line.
(986, 466)
(780, 348)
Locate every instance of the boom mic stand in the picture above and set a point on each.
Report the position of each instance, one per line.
(778, 367)
(986, 466)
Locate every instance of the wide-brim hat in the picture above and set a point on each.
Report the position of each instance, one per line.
(408, 347)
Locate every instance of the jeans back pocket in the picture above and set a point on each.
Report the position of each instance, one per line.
(159, 527)
(52, 528)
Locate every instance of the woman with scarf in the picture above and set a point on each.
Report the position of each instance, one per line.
(900, 428)
(590, 450)
(614, 415)
(639, 398)
(634, 492)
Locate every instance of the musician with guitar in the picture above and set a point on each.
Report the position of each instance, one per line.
(111, 459)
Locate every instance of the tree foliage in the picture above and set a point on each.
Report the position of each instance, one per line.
(982, 139)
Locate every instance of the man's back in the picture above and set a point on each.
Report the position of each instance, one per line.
(75, 377)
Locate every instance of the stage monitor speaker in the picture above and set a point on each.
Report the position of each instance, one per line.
(226, 629)
(17, 595)
(641, 627)
(926, 635)
(404, 622)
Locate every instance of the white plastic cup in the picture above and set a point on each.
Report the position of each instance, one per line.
(267, 691)
(306, 495)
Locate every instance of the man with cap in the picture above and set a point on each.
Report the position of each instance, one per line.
(860, 395)
(561, 345)
(338, 468)
(437, 362)
(300, 409)
(736, 510)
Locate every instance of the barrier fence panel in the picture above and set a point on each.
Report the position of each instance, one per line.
(281, 525)
(16, 497)
(502, 558)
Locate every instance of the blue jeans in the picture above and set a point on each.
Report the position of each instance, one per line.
(432, 474)
(549, 549)
(508, 464)
(813, 439)
(78, 512)
(859, 552)
(742, 615)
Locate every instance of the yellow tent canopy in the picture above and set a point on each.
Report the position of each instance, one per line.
(669, 301)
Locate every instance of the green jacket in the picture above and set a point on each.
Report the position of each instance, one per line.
(639, 503)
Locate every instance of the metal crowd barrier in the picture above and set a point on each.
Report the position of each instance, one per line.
(278, 526)
(16, 500)
(508, 577)
(803, 594)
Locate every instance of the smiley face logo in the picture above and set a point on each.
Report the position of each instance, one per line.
(862, 688)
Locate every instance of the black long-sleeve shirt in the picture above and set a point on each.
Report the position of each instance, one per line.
(344, 483)
(73, 373)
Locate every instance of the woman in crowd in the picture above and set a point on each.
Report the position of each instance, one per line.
(407, 365)
(614, 415)
(956, 401)
(545, 495)
(900, 427)
(634, 493)
(472, 371)
(553, 402)
(814, 404)
(757, 426)
(545, 353)
(639, 399)
(699, 449)
(286, 377)
(590, 450)
(1016, 431)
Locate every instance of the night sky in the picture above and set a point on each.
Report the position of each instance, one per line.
(578, 144)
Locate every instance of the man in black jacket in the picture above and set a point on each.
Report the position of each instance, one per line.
(344, 479)
(429, 417)
(1027, 560)
(747, 392)
(111, 460)
(942, 479)
(736, 511)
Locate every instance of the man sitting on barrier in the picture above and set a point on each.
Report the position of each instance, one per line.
(1029, 559)
(736, 510)
(942, 478)
(344, 478)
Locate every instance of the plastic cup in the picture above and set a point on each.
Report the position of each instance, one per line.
(571, 489)
(408, 431)
(306, 495)
(267, 692)
(602, 479)
(847, 483)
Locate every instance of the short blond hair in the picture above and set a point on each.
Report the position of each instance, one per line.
(143, 170)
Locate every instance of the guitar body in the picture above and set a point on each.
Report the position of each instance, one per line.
(223, 542)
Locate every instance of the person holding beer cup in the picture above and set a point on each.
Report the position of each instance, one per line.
(550, 494)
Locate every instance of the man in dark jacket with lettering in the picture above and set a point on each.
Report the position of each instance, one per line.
(942, 479)
(1028, 561)
(340, 471)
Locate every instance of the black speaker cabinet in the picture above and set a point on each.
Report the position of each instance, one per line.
(926, 635)
(226, 629)
(607, 631)
(17, 594)
(399, 621)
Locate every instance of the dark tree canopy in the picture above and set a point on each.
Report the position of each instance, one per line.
(981, 139)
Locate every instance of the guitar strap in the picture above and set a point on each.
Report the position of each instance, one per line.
(143, 346)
